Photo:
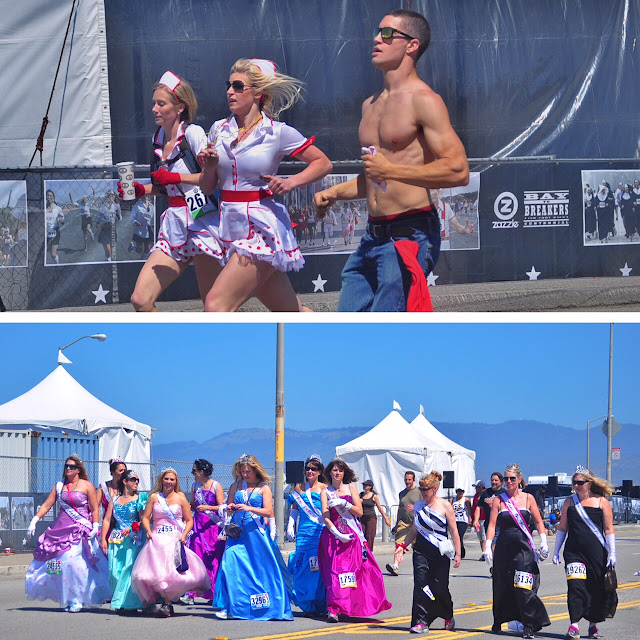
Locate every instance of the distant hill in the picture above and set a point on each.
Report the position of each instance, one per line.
(539, 448)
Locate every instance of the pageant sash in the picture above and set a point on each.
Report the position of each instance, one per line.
(310, 511)
(71, 512)
(245, 499)
(199, 499)
(438, 539)
(351, 521)
(105, 492)
(514, 512)
(589, 522)
(165, 507)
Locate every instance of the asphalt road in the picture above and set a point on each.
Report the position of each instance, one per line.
(470, 588)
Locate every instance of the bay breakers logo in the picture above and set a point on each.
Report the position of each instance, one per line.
(505, 207)
(546, 208)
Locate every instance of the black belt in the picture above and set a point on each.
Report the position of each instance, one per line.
(402, 228)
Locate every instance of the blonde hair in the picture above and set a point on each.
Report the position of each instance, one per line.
(279, 91)
(251, 461)
(157, 487)
(431, 480)
(515, 468)
(82, 472)
(599, 486)
(184, 95)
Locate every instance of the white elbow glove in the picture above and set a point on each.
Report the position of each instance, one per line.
(94, 531)
(291, 526)
(488, 551)
(611, 542)
(343, 537)
(32, 526)
(273, 530)
(544, 547)
(560, 536)
(339, 502)
(222, 511)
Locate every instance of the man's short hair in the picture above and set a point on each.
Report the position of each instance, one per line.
(410, 473)
(416, 25)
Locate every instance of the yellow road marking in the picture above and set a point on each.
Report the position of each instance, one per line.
(378, 628)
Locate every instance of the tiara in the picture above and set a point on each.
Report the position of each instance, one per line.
(581, 469)
(117, 459)
(314, 456)
(245, 458)
(76, 456)
(168, 469)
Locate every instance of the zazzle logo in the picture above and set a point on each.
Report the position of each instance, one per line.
(505, 207)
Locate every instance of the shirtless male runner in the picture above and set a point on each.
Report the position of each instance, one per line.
(416, 149)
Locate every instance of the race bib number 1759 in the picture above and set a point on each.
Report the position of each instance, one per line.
(347, 580)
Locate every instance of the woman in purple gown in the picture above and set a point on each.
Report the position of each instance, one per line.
(68, 565)
(155, 575)
(349, 571)
(207, 504)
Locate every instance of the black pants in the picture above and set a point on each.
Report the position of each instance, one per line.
(462, 527)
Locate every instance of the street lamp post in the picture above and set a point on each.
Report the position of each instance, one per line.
(588, 448)
(62, 359)
(278, 488)
(610, 409)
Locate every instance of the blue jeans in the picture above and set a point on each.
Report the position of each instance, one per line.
(375, 279)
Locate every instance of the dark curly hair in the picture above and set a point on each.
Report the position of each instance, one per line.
(203, 465)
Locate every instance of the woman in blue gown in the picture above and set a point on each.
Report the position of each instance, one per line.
(123, 542)
(309, 592)
(250, 583)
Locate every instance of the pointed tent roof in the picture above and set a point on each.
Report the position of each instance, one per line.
(60, 401)
(425, 430)
(392, 433)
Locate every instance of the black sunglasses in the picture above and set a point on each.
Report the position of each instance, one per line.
(510, 478)
(70, 466)
(387, 33)
(132, 480)
(237, 85)
(580, 482)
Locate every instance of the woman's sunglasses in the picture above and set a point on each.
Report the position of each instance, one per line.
(70, 466)
(387, 33)
(580, 482)
(311, 469)
(510, 478)
(237, 85)
(132, 480)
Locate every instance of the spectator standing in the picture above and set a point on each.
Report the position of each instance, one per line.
(369, 519)
(404, 519)
(462, 510)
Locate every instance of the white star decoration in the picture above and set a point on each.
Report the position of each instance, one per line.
(318, 284)
(626, 270)
(24, 542)
(431, 279)
(100, 294)
(533, 274)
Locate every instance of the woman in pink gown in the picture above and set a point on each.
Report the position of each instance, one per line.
(155, 575)
(349, 571)
(108, 489)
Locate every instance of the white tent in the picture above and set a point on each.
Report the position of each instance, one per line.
(59, 401)
(394, 446)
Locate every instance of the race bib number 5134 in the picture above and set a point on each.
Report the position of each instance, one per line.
(523, 580)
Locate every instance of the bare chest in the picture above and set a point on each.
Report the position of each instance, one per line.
(389, 123)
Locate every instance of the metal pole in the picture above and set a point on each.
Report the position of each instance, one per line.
(588, 448)
(609, 410)
(278, 489)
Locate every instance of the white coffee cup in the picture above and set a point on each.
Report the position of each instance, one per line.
(125, 173)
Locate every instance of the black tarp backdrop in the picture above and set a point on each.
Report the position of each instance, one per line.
(520, 79)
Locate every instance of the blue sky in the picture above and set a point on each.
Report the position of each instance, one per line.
(195, 380)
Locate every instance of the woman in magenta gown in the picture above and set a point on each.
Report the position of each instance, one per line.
(68, 565)
(155, 575)
(349, 571)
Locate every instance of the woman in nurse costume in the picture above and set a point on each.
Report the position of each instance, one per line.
(155, 575)
(68, 565)
(250, 583)
(350, 573)
(242, 158)
(306, 508)
(122, 542)
(183, 236)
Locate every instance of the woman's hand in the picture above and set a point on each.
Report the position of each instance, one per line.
(183, 538)
(202, 507)
(280, 185)
(126, 532)
(104, 546)
(149, 535)
(208, 157)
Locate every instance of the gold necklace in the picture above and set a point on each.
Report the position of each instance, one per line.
(243, 132)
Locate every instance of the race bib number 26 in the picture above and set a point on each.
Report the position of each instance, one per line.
(347, 580)
(576, 571)
(523, 580)
(195, 201)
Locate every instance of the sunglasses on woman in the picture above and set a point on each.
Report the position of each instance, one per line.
(311, 469)
(132, 480)
(580, 482)
(237, 85)
(70, 466)
(510, 478)
(387, 33)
